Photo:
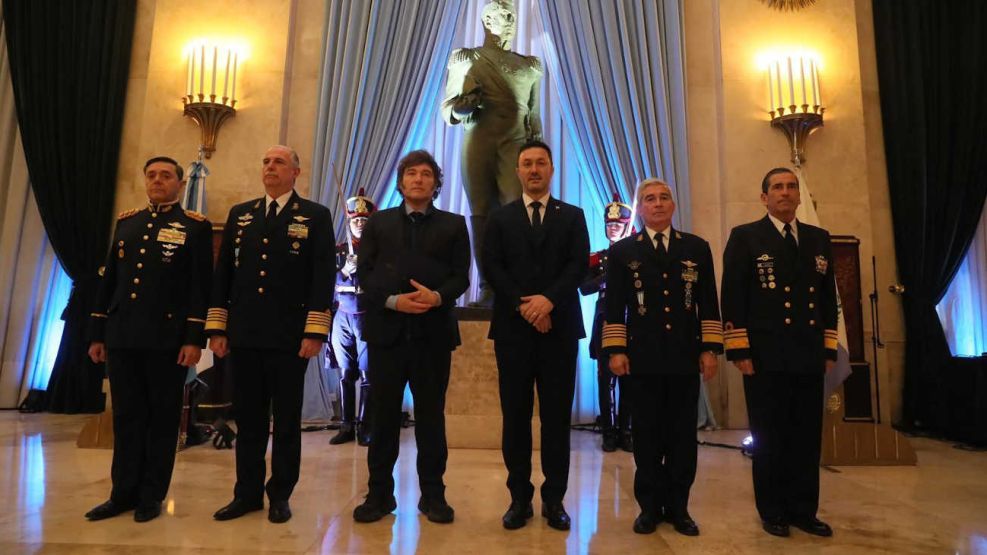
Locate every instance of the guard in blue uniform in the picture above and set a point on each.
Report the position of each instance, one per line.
(348, 347)
(663, 331)
(780, 318)
(615, 413)
(147, 326)
(270, 310)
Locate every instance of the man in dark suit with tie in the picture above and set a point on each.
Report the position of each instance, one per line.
(662, 331)
(147, 326)
(270, 312)
(779, 326)
(414, 264)
(534, 256)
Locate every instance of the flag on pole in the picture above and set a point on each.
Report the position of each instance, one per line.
(195, 199)
(806, 212)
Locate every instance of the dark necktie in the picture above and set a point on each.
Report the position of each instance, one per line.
(272, 212)
(416, 220)
(536, 214)
(660, 245)
(790, 243)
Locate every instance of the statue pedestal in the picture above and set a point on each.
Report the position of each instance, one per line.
(473, 416)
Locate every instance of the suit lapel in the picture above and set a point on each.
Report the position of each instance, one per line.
(674, 246)
(646, 248)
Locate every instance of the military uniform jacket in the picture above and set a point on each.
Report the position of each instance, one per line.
(154, 288)
(273, 281)
(782, 313)
(347, 293)
(596, 282)
(662, 312)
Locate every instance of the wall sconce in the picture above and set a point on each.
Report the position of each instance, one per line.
(210, 89)
(794, 101)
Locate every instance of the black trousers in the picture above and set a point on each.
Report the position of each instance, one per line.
(551, 367)
(426, 369)
(350, 351)
(267, 381)
(614, 398)
(785, 413)
(665, 408)
(147, 387)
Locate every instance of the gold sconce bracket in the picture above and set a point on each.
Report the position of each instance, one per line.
(210, 117)
(797, 127)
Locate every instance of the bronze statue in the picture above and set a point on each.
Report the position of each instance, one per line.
(493, 92)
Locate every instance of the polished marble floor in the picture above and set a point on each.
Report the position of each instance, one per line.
(47, 484)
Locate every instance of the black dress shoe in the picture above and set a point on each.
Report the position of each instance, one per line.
(345, 434)
(436, 509)
(813, 526)
(627, 442)
(685, 525)
(108, 509)
(610, 442)
(646, 523)
(556, 515)
(279, 512)
(236, 509)
(776, 527)
(374, 508)
(147, 511)
(517, 515)
(363, 435)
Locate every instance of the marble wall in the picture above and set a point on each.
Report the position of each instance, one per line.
(731, 143)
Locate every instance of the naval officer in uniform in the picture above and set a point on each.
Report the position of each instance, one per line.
(148, 327)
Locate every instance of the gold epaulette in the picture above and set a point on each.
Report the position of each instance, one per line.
(463, 55)
(127, 213)
(197, 216)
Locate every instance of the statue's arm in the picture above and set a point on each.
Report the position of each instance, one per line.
(533, 124)
(463, 93)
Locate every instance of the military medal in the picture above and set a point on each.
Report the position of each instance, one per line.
(641, 309)
(634, 265)
(821, 264)
(295, 245)
(120, 253)
(771, 284)
(169, 235)
(637, 282)
(298, 231)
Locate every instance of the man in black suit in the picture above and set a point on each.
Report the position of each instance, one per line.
(151, 306)
(662, 331)
(414, 264)
(780, 318)
(534, 256)
(270, 312)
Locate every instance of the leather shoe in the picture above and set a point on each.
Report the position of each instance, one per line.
(147, 511)
(436, 509)
(279, 512)
(685, 525)
(627, 442)
(363, 435)
(374, 508)
(236, 509)
(517, 515)
(107, 510)
(610, 442)
(646, 523)
(556, 515)
(776, 527)
(813, 526)
(345, 434)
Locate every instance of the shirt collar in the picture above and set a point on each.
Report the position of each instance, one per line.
(163, 207)
(528, 199)
(408, 209)
(666, 233)
(282, 200)
(780, 225)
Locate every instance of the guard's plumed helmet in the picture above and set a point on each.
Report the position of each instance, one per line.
(617, 212)
(360, 206)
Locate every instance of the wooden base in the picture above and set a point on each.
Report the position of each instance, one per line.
(861, 443)
(98, 431)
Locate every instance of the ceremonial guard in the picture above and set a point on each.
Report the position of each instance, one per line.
(148, 327)
(780, 317)
(615, 414)
(663, 331)
(270, 312)
(348, 347)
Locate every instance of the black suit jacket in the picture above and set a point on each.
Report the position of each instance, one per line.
(273, 281)
(779, 312)
(519, 261)
(439, 260)
(662, 311)
(154, 288)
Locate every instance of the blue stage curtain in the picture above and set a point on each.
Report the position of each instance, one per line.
(383, 64)
(622, 89)
(963, 309)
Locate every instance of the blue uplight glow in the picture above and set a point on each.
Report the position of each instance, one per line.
(49, 329)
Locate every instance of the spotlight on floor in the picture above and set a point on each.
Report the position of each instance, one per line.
(747, 446)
